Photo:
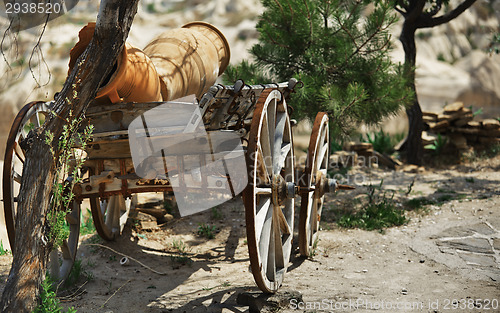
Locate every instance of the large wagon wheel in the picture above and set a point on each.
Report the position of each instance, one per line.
(314, 182)
(110, 215)
(31, 116)
(268, 198)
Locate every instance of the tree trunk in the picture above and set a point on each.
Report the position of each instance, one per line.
(31, 247)
(413, 146)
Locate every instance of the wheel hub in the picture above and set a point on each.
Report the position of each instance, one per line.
(279, 190)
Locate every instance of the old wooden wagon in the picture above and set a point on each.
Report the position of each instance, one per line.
(258, 116)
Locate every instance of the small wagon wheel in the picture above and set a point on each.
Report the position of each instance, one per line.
(110, 215)
(31, 116)
(268, 197)
(313, 181)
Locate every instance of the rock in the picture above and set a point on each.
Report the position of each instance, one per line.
(440, 126)
(489, 132)
(488, 140)
(463, 120)
(474, 124)
(387, 160)
(149, 225)
(453, 107)
(484, 87)
(410, 168)
(352, 146)
(259, 302)
(491, 124)
(430, 115)
(477, 245)
(428, 138)
(458, 140)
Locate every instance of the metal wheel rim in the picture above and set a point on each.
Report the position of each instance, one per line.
(110, 215)
(268, 245)
(311, 201)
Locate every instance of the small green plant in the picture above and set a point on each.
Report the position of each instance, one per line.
(48, 299)
(2, 250)
(378, 213)
(495, 44)
(380, 141)
(418, 204)
(68, 164)
(179, 245)
(438, 144)
(87, 227)
(469, 179)
(207, 231)
(74, 274)
(180, 260)
(312, 252)
(216, 214)
(477, 112)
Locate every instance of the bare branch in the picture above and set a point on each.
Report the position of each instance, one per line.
(427, 21)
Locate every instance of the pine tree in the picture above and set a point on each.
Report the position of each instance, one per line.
(339, 50)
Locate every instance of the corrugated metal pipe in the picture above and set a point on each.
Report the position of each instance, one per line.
(133, 79)
(189, 59)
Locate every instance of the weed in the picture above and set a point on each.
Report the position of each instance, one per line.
(89, 275)
(477, 112)
(491, 152)
(445, 198)
(48, 300)
(312, 252)
(380, 141)
(112, 258)
(469, 180)
(418, 204)
(180, 259)
(379, 212)
(179, 246)
(2, 250)
(374, 216)
(68, 164)
(74, 274)
(216, 214)
(438, 144)
(207, 231)
(226, 284)
(87, 227)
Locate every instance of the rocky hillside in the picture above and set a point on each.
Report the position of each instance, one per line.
(452, 62)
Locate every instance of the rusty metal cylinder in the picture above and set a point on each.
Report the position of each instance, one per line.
(189, 59)
(133, 79)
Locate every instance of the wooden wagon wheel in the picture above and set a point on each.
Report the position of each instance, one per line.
(110, 215)
(31, 116)
(313, 181)
(268, 198)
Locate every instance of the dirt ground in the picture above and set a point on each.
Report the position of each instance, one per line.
(411, 268)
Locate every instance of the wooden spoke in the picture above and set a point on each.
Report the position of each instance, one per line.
(312, 201)
(110, 215)
(269, 215)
